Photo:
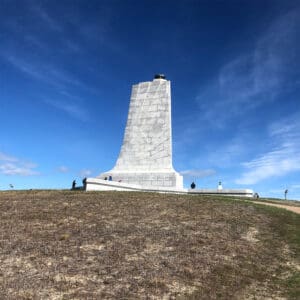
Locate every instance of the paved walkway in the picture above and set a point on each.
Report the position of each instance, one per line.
(295, 209)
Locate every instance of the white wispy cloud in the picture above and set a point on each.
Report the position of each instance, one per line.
(24, 66)
(10, 165)
(34, 41)
(7, 158)
(198, 173)
(283, 159)
(42, 71)
(45, 18)
(229, 154)
(27, 49)
(276, 163)
(255, 77)
(63, 169)
(74, 110)
(52, 75)
(18, 169)
(85, 173)
(56, 77)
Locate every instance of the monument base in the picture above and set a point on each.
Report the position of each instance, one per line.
(168, 179)
(96, 184)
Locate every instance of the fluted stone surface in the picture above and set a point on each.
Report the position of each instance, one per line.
(146, 154)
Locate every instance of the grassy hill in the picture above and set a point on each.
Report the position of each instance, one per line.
(280, 201)
(114, 245)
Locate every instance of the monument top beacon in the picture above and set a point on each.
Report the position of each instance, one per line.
(159, 76)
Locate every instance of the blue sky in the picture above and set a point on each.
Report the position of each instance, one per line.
(67, 67)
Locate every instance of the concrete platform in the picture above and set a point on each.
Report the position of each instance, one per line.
(96, 184)
(223, 192)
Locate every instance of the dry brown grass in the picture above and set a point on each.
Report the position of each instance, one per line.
(113, 245)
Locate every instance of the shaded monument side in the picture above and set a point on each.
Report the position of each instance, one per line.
(146, 154)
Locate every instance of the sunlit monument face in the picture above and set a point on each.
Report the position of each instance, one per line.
(146, 154)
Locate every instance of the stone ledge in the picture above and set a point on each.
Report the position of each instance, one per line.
(225, 192)
(147, 179)
(96, 184)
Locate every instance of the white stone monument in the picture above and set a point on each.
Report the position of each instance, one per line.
(145, 158)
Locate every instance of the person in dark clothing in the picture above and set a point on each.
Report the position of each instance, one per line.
(84, 183)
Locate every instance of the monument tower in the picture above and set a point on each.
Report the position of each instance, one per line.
(145, 157)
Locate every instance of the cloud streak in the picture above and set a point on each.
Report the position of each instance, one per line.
(56, 77)
(21, 169)
(10, 165)
(63, 169)
(256, 77)
(72, 109)
(198, 173)
(42, 71)
(7, 158)
(85, 173)
(284, 158)
(46, 19)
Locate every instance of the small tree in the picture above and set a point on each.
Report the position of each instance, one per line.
(285, 193)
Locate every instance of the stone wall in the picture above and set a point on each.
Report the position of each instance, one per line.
(147, 179)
